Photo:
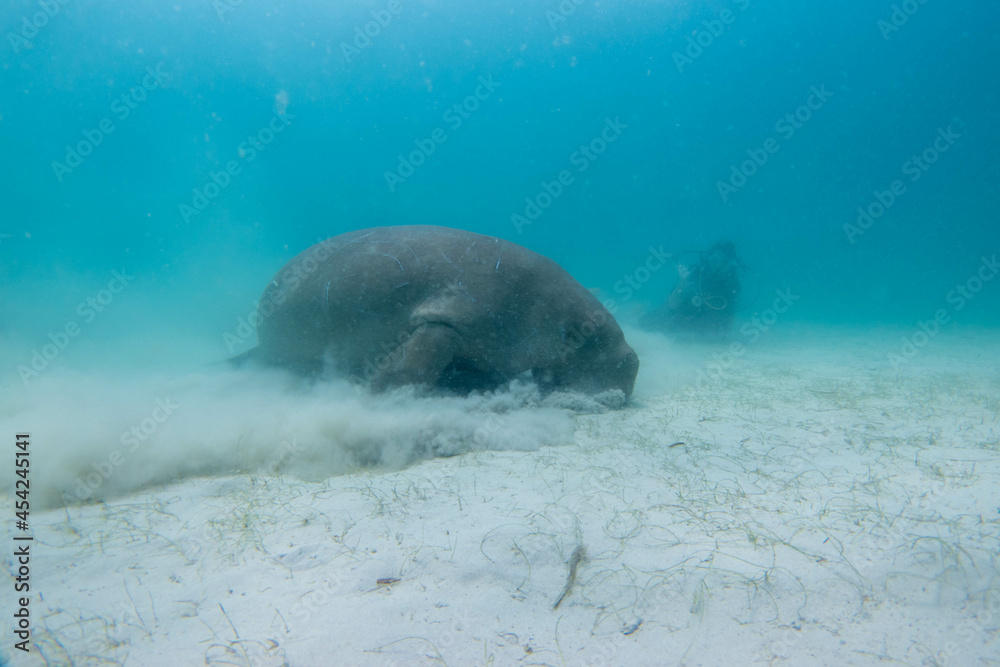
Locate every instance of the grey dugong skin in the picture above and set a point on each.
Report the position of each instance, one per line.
(390, 306)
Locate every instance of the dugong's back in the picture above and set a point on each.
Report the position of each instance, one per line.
(358, 292)
(353, 303)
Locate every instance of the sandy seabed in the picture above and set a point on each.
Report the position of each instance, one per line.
(809, 505)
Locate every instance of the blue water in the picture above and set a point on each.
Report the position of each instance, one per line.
(848, 149)
(349, 107)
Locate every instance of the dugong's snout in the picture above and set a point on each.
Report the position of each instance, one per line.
(594, 370)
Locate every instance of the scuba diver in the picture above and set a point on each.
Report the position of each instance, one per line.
(705, 300)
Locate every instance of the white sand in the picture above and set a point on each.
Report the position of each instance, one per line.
(823, 509)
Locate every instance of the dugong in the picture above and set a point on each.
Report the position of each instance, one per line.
(440, 307)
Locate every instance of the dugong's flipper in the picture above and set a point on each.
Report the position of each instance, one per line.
(422, 359)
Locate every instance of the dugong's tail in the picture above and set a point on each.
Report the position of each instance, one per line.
(241, 360)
